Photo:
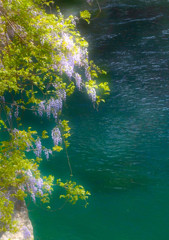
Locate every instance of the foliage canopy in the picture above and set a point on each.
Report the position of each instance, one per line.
(43, 58)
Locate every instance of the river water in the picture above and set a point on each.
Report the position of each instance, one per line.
(121, 152)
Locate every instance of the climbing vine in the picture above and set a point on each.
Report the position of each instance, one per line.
(43, 58)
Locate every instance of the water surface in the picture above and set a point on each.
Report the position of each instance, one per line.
(121, 152)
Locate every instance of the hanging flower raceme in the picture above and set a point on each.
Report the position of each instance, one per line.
(56, 136)
(78, 80)
(47, 152)
(42, 59)
(53, 106)
(34, 186)
(38, 149)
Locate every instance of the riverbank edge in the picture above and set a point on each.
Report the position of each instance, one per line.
(21, 216)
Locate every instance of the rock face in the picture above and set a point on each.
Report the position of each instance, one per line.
(24, 225)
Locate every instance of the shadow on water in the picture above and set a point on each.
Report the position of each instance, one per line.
(103, 181)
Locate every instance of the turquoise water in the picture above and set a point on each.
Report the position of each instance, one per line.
(121, 152)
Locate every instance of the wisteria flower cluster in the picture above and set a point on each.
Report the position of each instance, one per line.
(52, 107)
(56, 136)
(26, 233)
(38, 149)
(34, 185)
(43, 58)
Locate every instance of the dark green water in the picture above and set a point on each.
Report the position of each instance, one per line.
(121, 152)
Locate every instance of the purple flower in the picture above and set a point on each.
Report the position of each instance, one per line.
(15, 130)
(38, 148)
(41, 108)
(29, 145)
(56, 136)
(16, 113)
(47, 152)
(92, 94)
(29, 173)
(53, 107)
(78, 57)
(48, 188)
(26, 232)
(68, 41)
(34, 185)
(40, 192)
(61, 94)
(67, 65)
(87, 74)
(39, 183)
(48, 110)
(10, 115)
(78, 80)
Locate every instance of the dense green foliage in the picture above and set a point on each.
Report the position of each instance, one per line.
(43, 58)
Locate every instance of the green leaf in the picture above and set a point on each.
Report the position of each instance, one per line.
(86, 16)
